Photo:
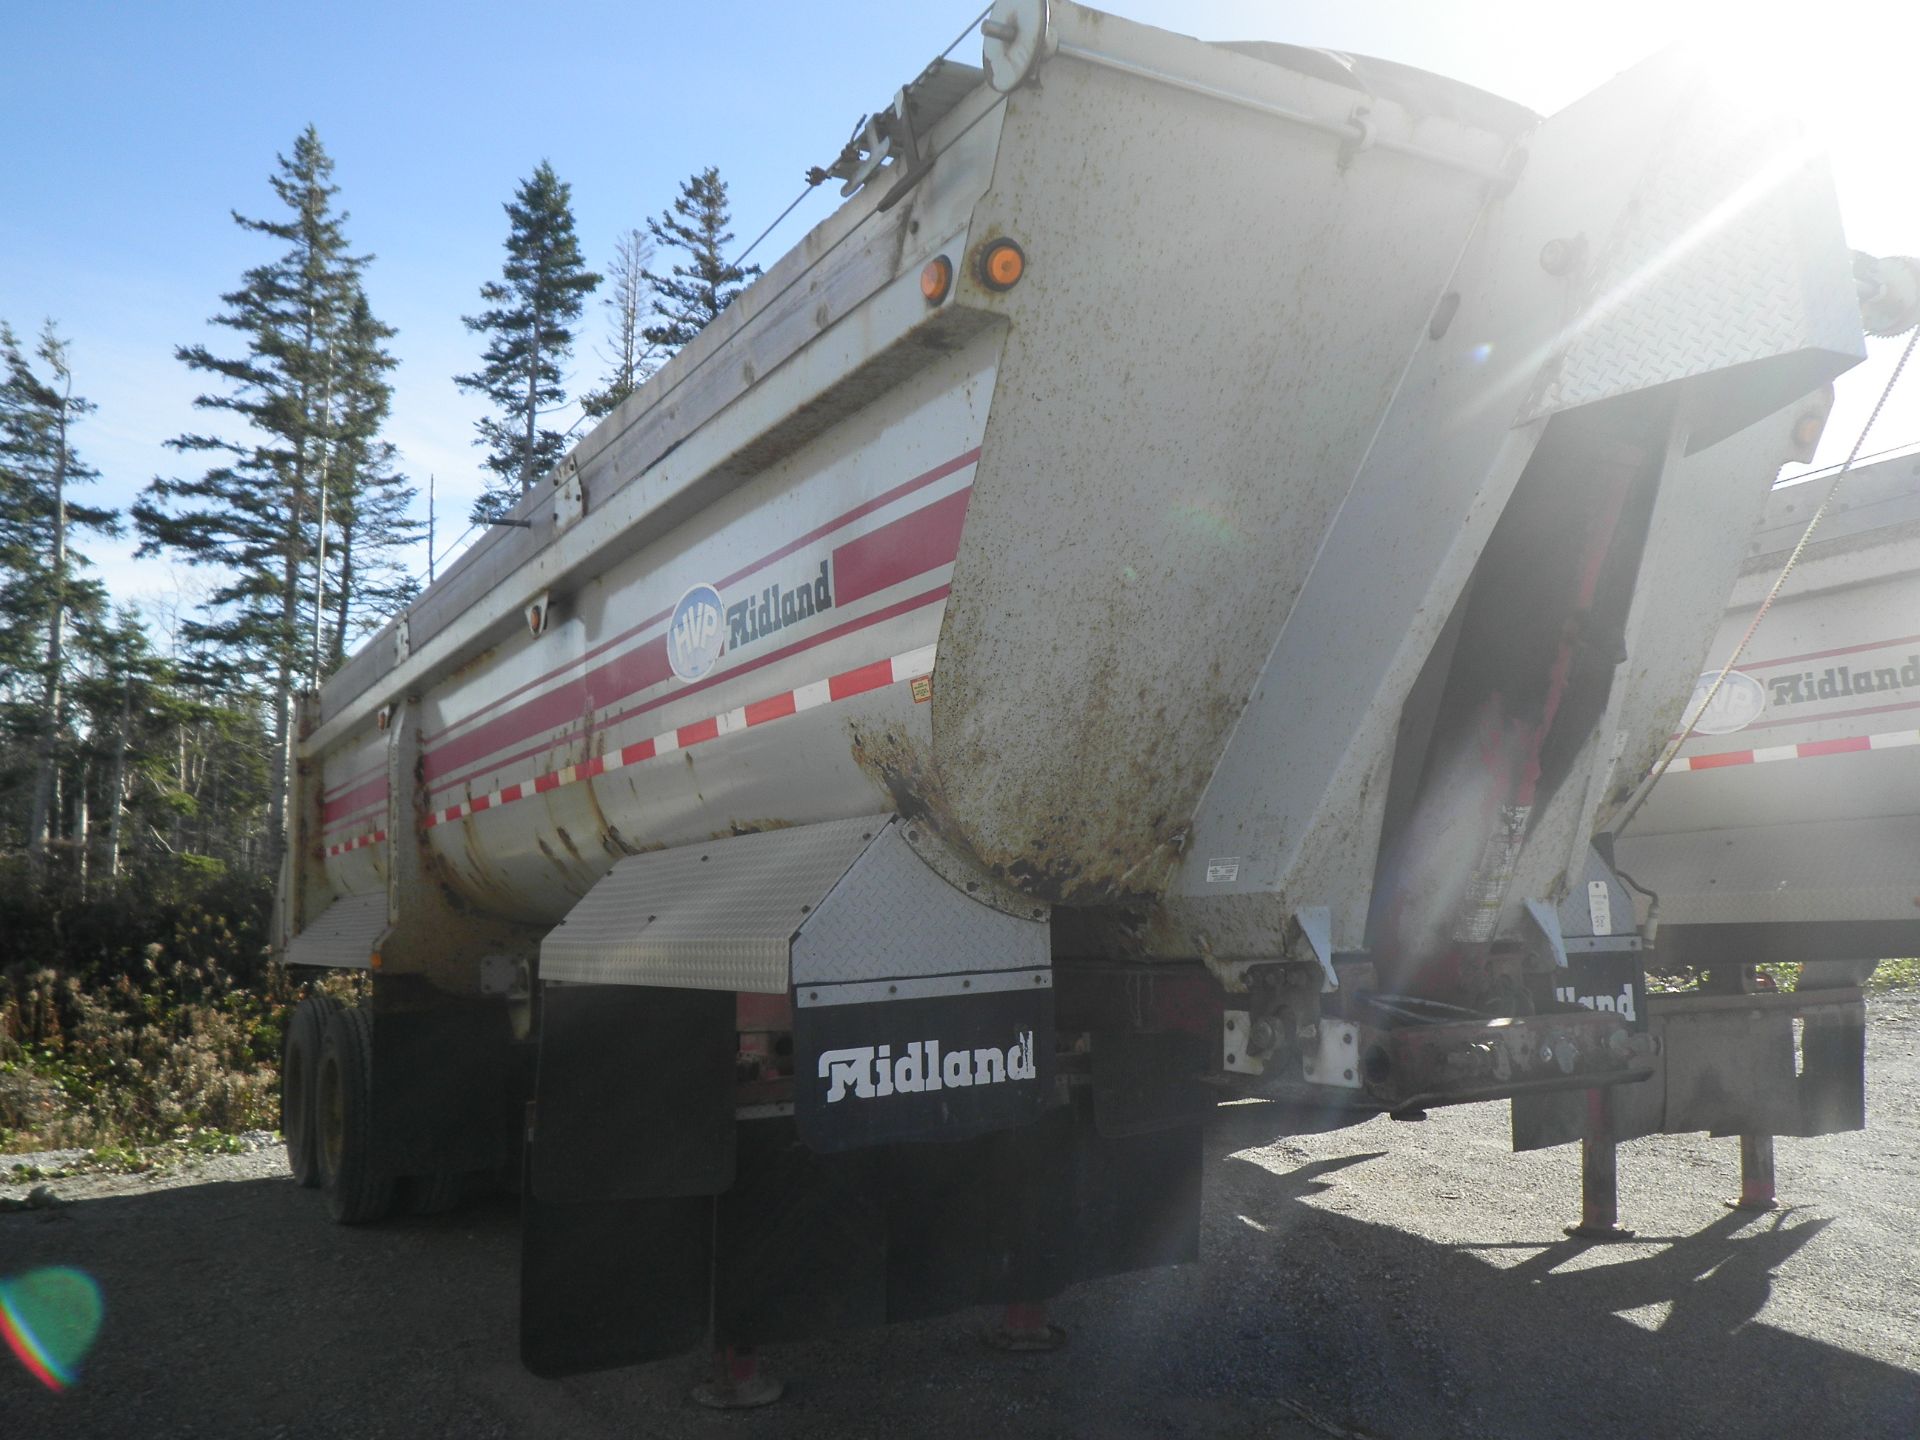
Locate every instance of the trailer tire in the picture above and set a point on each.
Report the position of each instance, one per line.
(433, 1194)
(299, 1073)
(357, 1191)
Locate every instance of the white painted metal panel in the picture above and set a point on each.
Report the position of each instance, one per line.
(1015, 563)
(706, 917)
(344, 935)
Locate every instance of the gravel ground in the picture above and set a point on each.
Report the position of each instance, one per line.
(1386, 1280)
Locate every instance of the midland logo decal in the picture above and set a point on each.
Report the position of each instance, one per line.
(869, 1072)
(1843, 682)
(1620, 1004)
(775, 608)
(696, 633)
(704, 627)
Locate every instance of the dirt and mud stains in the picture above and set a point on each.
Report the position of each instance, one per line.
(1050, 864)
(737, 828)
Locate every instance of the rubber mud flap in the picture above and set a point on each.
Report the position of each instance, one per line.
(612, 1282)
(1020, 1215)
(801, 1244)
(634, 1095)
(442, 1082)
(935, 1068)
(1153, 1081)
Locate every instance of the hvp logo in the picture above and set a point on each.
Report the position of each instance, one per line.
(696, 633)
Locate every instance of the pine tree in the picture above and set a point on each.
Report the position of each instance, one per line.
(369, 504)
(43, 594)
(255, 513)
(632, 358)
(688, 299)
(178, 773)
(532, 308)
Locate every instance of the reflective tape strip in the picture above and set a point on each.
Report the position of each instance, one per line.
(1806, 750)
(359, 842)
(848, 683)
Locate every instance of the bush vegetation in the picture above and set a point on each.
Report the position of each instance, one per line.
(144, 1015)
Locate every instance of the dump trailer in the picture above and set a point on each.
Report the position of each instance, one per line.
(1784, 832)
(1151, 602)
(1787, 830)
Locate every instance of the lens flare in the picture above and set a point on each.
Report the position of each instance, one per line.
(1206, 519)
(49, 1319)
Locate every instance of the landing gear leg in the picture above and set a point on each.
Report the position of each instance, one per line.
(737, 1381)
(1599, 1175)
(1023, 1329)
(1756, 1174)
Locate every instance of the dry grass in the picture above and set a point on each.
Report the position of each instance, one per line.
(180, 1050)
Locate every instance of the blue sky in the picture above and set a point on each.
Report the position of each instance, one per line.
(134, 129)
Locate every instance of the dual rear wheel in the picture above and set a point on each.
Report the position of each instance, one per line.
(326, 1114)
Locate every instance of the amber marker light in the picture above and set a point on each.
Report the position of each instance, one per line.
(1002, 264)
(936, 278)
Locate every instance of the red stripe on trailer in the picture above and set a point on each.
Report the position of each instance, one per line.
(1805, 750)
(332, 792)
(761, 711)
(359, 842)
(859, 681)
(640, 668)
(1842, 746)
(1853, 714)
(1728, 757)
(819, 532)
(700, 730)
(1829, 654)
(589, 727)
(909, 546)
(360, 798)
(359, 817)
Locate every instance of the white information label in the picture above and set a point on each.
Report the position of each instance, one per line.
(1600, 907)
(1223, 871)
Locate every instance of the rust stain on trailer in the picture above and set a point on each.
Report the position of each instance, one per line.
(737, 828)
(468, 667)
(1063, 859)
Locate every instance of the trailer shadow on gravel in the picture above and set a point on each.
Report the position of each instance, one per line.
(233, 1309)
(1661, 1336)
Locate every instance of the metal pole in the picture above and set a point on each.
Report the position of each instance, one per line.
(1756, 1174)
(1024, 1328)
(1599, 1174)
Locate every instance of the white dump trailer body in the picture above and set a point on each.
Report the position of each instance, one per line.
(1152, 599)
(1122, 574)
(1788, 828)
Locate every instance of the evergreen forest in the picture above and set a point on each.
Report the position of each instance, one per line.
(144, 748)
